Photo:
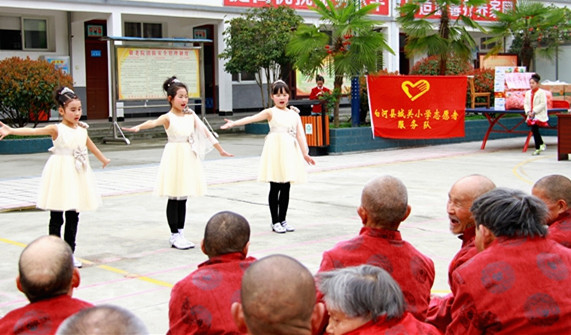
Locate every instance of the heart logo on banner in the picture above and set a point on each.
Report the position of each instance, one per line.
(414, 91)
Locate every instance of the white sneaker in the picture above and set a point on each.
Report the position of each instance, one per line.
(543, 147)
(178, 241)
(287, 226)
(77, 263)
(278, 228)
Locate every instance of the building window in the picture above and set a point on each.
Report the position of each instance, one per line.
(243, 76)
(17, 33)
(141, 29)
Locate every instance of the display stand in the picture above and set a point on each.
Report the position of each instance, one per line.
(175, 43)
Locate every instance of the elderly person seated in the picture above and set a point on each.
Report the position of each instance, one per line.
(365, 299)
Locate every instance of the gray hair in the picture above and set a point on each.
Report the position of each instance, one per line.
(386, 200)
(362, 291)
(103, 320)
(509, 212)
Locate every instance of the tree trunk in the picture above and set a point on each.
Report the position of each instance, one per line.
(261, 86)
(444, 32)
(269, 83)
(526, 53)
(337, 86)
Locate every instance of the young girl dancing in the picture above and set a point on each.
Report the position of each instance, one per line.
(180, 170)
(67, 185)
(285, 150)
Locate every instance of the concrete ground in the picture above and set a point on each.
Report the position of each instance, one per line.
(124, 244)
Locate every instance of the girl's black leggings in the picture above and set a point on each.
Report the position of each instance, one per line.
(279, 201)
(176, 214)
(71, 222)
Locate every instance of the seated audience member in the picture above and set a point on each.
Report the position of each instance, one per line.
(278, 298)
(364, 300)
(384, 205)
(555, 192)
(200, 303)
(518, 282)
(103, 320)
(47, 277)
(460, 199)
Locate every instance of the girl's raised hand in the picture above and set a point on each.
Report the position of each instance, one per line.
(4, 130)
(229, 124)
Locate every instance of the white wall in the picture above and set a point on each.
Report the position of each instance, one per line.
(546, 67)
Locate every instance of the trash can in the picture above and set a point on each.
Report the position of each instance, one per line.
(316, 129)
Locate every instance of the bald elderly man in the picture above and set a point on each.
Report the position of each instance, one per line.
(278, 297)
(47, 277)
(519, 281)
(460, 198)
(384, 206)
(103, 320)
(200, 303)
(555, 192)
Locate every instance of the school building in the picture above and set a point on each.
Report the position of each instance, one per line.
(70, 34)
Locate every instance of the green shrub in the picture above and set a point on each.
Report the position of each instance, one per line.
(430, 66)
(26, 89)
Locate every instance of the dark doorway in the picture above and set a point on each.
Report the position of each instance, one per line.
(96, 70)
(210, 89)
(404, 61)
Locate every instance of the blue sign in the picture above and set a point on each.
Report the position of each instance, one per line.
(95, 53)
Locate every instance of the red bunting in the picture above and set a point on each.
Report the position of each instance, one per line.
(417, 107)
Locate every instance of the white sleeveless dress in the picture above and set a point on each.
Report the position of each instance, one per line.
(180, 171)
(67, 182)
(282, 160)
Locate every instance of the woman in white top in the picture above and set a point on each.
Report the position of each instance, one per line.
(535, 106)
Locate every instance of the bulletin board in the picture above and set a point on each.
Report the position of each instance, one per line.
(141, 71)
(492, 61)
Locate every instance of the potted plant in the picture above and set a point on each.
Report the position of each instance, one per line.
(26, 96)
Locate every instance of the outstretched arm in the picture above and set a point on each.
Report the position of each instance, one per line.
(47, 130)
(261, 116)
(98, 154)
(199, 126)
(221, 150)
(160, 121)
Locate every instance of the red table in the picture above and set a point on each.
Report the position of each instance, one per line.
(495, 125)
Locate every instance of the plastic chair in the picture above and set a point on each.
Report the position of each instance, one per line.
(474, 94)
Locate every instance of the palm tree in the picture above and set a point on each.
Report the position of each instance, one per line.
(534, 27)
(352, 49)
(451, 38)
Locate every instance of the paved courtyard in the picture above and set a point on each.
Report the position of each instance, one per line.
(124, 244)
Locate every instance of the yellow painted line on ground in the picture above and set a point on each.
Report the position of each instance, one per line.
(521, 164)
(440, 291)
(104, 267)
(132, 275)
(7, 241)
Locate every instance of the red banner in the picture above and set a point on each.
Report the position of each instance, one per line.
(484, 12)
(415, 107)
(382, 9)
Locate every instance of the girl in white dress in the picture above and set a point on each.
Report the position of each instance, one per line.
(284, 156)
(180, 171)
(67, 185)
